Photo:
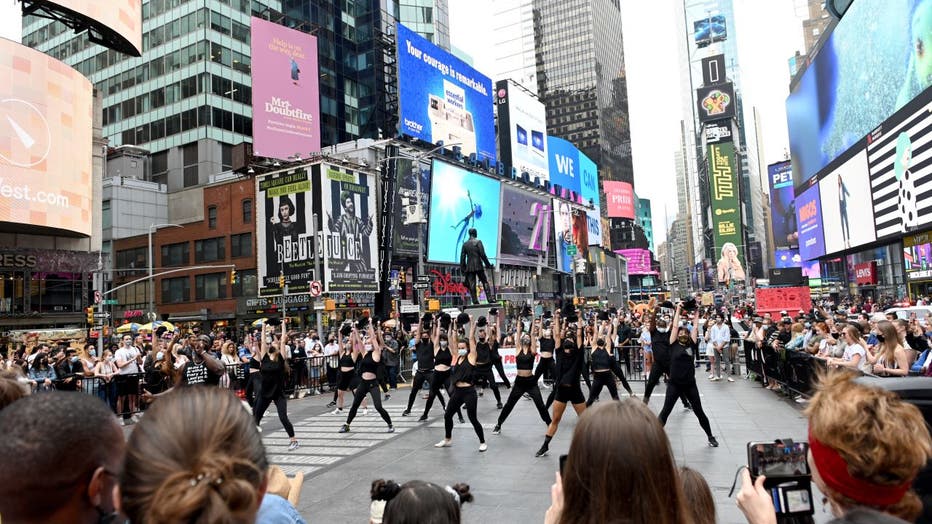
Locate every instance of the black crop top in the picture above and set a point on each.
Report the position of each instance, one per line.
(483, 352)
(600, 359)
(369, 365)
(524, 361)
(346, 360)
(547, 345)
(463, 372)
(443, 357)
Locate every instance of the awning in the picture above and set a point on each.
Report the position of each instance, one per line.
(186, 318)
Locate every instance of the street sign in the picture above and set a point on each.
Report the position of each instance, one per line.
(423, 279)
(410, 308)
(420, 285)
(110, 302)
(97, 297)
(102, 315)
(673, 281)
(571, 250)
(315, 289)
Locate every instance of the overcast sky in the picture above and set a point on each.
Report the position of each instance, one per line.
(768, 33)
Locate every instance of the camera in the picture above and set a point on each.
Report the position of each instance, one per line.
(690, 304)
(789, 480)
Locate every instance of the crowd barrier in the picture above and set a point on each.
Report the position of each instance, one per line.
(792, 369)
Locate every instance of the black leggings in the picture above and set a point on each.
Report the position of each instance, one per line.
(606, 379)
(281, 405)
(500, 367)
(370, 387)
(458, 398)
(525, 385)
(544, 366)
(419, 379)
(484, 372)
(253, 388)
(689, 392)
(657, 371)
(438, 381)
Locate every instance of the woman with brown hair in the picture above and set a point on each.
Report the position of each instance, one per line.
(698, 496)
(273, 366)
(855, 355)
(855, 463)
(891, 359)
(619, 452)
(176, 470)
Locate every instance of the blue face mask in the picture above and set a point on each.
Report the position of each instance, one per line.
(461, 352)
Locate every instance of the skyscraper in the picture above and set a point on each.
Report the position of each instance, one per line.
(515, 51)
(428, 18)
(581, 80)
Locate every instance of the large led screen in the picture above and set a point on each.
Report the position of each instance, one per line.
(443, 98)
(639, 261)
(786, 258)
(809, 218)
(847, 216)
(874, 62)
(286, 243)
(899, 153)
(522, 130)
(589, 192)
(726, 206)
(563, 159)
(570, 243)
(349, 236)
(114, 23)
(917, 256)
(285, 91)
(411, 174)
(525, 227)
(46, 179)
(716, 102)
(461, 200)
(619, 197)
(782, 205)
(709, 30)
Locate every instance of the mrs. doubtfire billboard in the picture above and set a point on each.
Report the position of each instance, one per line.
(443, 98)
(285, 91)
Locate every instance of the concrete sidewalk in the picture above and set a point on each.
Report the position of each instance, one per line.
(509, 483)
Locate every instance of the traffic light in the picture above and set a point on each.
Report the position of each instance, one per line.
(281, 281)
(90, 314)
(233, 276)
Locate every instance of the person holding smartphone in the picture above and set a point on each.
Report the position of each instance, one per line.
(683, 348)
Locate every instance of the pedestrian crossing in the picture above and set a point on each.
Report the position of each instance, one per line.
(321, 444)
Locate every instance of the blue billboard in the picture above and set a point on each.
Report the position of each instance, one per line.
(589, 191)
(782, 205)
(563, 160)
(809, 218)
(786, 258)
(873, 63)
(461, 200)
(443, 98)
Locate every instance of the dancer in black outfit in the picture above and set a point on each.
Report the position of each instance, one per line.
(371, 351)
(683, 348)
(603, 365)
(424, 350)
(273, 369)
(464, 390)
(348, 380)
(487, 345)
(568, 368)
(660, 344)
(525, 383)
(443, 359)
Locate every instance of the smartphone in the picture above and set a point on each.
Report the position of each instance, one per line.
(778, 459)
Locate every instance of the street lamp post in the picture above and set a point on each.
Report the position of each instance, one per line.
(151, 285)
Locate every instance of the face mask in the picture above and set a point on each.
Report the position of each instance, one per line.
(444, 344)
(74, 360)
(92, 352)
(663, 329)
(461, 351)
(880, 338)
(368, 347)
(683, 339)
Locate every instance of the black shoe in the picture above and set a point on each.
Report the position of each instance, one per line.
(542, 451)
(497, 430)
(499, 405)
(387, 396)
(331, 404)
(344, 429)
(462, 420)
(422, 419)
(713, 442)
(508, 385)
(405, 413)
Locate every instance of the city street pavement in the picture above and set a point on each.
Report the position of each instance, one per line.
(508, 482)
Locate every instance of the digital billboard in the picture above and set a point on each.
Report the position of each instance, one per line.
(782, 205)
(710, 29)
(899, 153)
(460, 200)
(716, 102)
(725, 202)
(116, 24)
(639, 261)
(443, 98)
(917, 256)
(563, 234)
(525, 227)
(408, 171)
(619, 197)
(285, 91)
(589, 192)
(351, 253)
(563, 164)
(847, 215)
(522, 130)
(46, 174)
(846, 92)
(786, 258)
(809, 218)
(285, 208)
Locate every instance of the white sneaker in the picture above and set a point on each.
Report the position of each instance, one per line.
(711, 376)
(715, 379)
(444, 444)
(365, 411)
(730, 379)
(483, 447)
(338, 411)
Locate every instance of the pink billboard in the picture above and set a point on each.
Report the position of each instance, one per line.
(638, 261)
(285, 91)
(620, 197)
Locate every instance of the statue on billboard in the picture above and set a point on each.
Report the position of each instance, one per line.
(473, 263)
(729, 266)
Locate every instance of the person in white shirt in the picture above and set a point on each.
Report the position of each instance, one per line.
(331, 349)
(855, 355)
(719, 338)
(646, 347)
(127, 360)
